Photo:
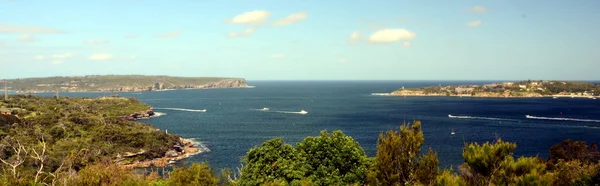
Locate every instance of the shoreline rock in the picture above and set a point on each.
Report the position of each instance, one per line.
(140, 115)
(178, 152)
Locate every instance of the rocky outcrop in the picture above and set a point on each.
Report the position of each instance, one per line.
(139, 115)
(227, 83)
(405, 92)
(181, 150)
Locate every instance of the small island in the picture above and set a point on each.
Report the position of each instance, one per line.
(520, 89)
(120, 83)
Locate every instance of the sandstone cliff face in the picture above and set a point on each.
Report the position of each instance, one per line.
(227, 83)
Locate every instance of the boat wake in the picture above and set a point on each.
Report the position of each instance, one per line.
(262, 109)
(183, 109)
(484, 118)
(562, 119)
(380, 94)
(288, 112)
(157, 114)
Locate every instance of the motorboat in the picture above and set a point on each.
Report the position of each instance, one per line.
(302, 112)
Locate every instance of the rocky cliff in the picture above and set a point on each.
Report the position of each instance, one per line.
(227, 83)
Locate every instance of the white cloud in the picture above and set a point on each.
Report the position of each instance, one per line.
(391, 35)
(478, 9)
(101, 57)
(343, 60)
(292, 18)
(15, 29)
(277, 56)
(255, 18)
(132, 57)
(169, 34)
(354, 35)
(246, 32)
(56, 62)
(62, 56)
(407, 44)
(40, 57)
(27, 38)
(131, 36)
(474, 23)
(96, 42)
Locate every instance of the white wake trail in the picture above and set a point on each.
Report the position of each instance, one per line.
(483, 118)
(183, 109)
(562, 119)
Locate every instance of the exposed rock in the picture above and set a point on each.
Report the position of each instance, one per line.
(178, 148)
(171, 153)
(227, 83)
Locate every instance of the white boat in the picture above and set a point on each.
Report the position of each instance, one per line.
(452, 133)
(302, 112)
(554, 97)
(265, 109)
(528, 116)
(203, 110)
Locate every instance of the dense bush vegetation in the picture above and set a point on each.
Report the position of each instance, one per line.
(69, 134)
(78, 144)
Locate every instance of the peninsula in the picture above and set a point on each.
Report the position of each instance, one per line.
(83, 131)
(120, 83)
(527, 89)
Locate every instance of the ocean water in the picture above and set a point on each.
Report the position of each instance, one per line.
(233, 123)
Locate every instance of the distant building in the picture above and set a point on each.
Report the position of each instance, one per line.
(490, 85)
(508, 83)
(523, 86)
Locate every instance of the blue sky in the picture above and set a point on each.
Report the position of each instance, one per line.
(303, 39)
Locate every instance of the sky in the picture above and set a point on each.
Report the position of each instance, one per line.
(303, 39)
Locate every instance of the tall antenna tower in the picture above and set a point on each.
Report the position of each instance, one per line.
(5, 90)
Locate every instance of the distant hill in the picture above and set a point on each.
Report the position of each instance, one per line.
(120, 83)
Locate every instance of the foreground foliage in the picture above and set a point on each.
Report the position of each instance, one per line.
(54, 136)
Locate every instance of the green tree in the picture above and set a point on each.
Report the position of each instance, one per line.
(334, 159)
(273, 161)
(569, 150)
(494, 164)
(447, 178)
(398, 160)
(195, 175)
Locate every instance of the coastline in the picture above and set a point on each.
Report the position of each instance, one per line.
(436, 95)
(189, 149)
(186, 148)
(42, 92)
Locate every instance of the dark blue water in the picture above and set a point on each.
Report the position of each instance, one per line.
(231, 125)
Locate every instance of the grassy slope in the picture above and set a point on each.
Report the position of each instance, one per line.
(84, 129)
